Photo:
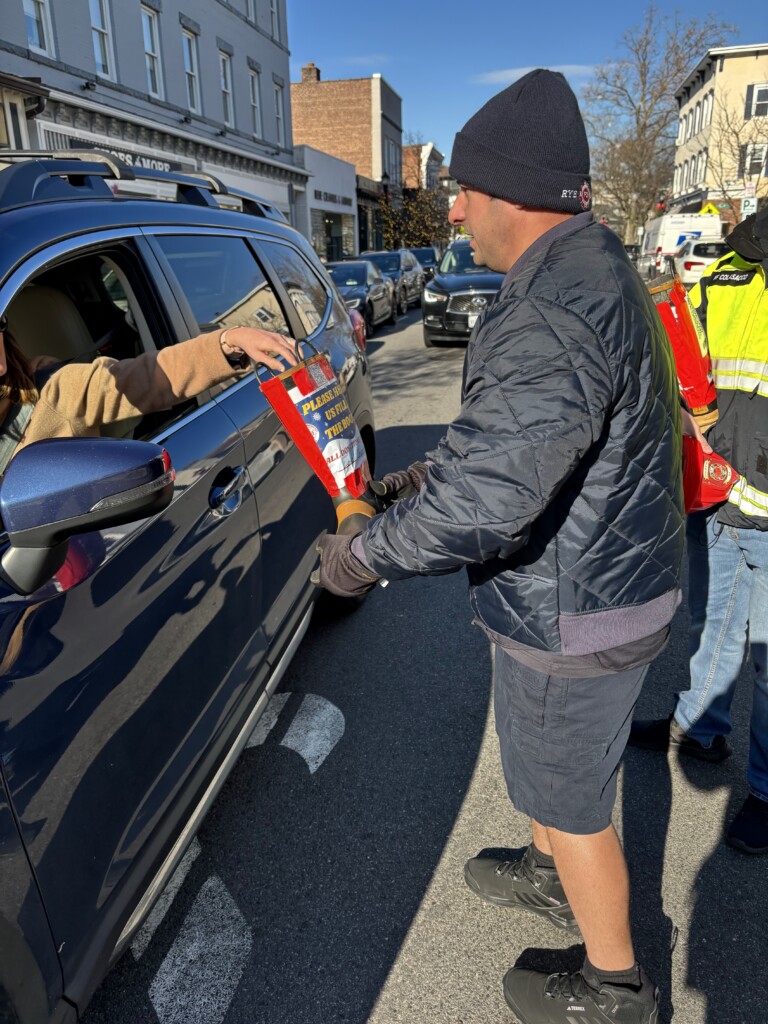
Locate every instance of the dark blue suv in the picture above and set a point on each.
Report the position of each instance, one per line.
(129, 687)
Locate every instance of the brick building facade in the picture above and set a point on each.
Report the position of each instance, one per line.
(358, 120)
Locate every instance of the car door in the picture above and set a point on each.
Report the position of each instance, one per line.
(379, 294)
(225, 279)
(122, 680)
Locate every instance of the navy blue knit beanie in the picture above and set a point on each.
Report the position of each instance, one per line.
(527, 144)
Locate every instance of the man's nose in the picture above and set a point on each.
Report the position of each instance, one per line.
(457, 211)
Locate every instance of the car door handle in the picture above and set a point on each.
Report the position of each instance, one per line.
(226, 496)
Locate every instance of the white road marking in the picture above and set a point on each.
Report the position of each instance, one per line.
(144, 935)
(315, 731)
(267, 721)
(201, 972)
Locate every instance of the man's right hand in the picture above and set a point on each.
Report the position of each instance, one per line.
(404, 483)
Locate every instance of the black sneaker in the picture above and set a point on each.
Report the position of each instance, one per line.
(536, 997)
(523, 884)
(666, 734)
(748, 831)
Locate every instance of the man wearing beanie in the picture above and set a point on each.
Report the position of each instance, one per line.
(558, 487)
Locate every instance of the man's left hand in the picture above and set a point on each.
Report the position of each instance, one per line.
(339, 571)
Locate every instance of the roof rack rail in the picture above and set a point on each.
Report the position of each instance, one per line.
(49, 175)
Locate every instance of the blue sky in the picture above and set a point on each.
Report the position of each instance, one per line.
(446, 58)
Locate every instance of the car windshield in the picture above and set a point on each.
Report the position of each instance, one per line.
(388, 262)
(425, 256)
(710, 249)
(459, 261)
(347, 274)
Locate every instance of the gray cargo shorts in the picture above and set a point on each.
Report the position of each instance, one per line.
(561, 741)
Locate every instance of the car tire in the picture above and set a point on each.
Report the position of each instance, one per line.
(370, 323)
(402, 302)
(392, 318)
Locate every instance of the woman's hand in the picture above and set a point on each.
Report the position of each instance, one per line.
(692, 429)
(260, 346)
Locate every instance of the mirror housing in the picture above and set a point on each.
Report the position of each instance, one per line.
(59, 487)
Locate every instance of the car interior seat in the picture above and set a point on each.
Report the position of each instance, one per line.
(46, 322)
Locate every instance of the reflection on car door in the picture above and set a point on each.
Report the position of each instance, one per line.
(120, 685)
(225, 283)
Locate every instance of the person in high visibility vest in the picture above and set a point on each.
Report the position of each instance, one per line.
(728, 545)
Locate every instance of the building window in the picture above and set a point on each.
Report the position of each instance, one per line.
(225, 75)
(697, 120)
(151, 31)
(101, 37)
(255, 78)
(758, 105)
(274, 14)
(13, 123)
(250, 10)
(191, 72)
(709, 104)
(38, 22)
(685, 175)
(676, 185)
(703, 171)
(279, 115)
(753, 159)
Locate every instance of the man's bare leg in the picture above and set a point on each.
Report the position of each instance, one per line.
(594, 876)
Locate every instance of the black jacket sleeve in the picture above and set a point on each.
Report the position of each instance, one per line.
(538, 388)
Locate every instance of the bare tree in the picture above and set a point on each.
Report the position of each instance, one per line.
(631, 112)
(737, 152)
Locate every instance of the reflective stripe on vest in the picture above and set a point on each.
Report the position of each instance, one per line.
(748, 499)
(748, 375)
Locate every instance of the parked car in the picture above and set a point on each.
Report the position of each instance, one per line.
(428, 257)
(363, 287)
(405, 272)
(633, 250)
(458, 294)
(693, 257)
(128, 689)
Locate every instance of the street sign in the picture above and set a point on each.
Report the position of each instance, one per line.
(748, 206)
(709, 208)
(750, 189)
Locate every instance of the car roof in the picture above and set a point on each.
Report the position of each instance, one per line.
(34, 217)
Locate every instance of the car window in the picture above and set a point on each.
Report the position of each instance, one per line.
(307, 292)
(460, 261)
(388, 262)
(712, 250)
(100, 304)
(223, 282)
(347, 274)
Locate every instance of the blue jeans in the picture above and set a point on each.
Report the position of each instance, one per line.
(728, 600)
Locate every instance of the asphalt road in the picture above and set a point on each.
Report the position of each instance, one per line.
(326, 883)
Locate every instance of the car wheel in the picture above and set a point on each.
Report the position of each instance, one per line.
(369, 322)
(392, 318)
(403, 302)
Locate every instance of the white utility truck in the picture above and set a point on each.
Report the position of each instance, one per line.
(664, 236)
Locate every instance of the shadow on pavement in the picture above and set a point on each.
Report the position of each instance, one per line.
(671, 816)
(328, 869)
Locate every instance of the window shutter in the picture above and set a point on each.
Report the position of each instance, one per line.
(748, 106)
(742, 161)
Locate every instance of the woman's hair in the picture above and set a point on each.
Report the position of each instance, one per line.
(18, 384)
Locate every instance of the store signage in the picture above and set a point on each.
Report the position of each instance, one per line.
(142, 160)
(331, 197)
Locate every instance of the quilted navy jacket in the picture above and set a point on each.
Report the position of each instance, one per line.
(559, 483)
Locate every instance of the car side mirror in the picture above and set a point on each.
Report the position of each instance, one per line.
(59, 487)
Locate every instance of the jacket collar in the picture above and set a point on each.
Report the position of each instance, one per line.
(575, 223)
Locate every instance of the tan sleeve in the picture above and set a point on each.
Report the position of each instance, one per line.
(108, 390)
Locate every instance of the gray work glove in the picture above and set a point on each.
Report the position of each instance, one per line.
(339, 571)
(404, 483)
